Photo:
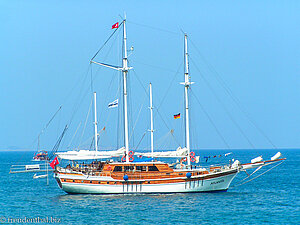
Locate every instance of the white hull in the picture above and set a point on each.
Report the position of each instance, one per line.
(220, 183)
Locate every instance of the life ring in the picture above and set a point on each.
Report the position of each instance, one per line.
(131, 158)
(183, 159)
(193, 159)
(192, 154)
(130, 153)
(123, 158)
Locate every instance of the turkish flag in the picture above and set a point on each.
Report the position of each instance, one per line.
(116, 25)
(54, 162)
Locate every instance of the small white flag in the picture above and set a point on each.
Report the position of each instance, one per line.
(113, 104)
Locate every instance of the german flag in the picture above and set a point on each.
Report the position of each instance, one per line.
(177, 116)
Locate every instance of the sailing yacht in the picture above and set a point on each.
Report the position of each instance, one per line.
(41, 156)
(130, 176)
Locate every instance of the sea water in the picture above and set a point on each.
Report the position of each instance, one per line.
(270, 199)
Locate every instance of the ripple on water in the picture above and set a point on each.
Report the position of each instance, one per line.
(271, 199)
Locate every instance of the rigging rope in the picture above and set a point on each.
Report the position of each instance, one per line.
(210, 120)
(222, 104)
(83, 93)
(154, 28)
(77, 104)
(154, 66)
(232, 96)
(85, 123)
(74, 135)
(257, 176)
(170, 85)
(137, 118)
(140, 141)
(155, 107)
(56, 146)
(106, 42)
(130, 111)
(46, 125)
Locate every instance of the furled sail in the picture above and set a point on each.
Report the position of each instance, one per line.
(179, 153)
(86, 154)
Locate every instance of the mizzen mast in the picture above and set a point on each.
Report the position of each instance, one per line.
(186, 84)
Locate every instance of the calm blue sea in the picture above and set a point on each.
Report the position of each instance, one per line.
(271, 199)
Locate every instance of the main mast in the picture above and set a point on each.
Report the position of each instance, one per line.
(125, 71)
(187, 83)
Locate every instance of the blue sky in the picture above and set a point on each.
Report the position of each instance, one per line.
(252, 45)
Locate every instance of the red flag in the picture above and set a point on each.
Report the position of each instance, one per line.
(116, 25)
(54, 162)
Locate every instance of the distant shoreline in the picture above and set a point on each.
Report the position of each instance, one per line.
(212, 149)
(17, 150)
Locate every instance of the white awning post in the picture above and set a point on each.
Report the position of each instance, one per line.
(96, 123)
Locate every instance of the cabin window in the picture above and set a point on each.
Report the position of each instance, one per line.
(141, 168)
(118, 169)
(152, 168)
(128, 168)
